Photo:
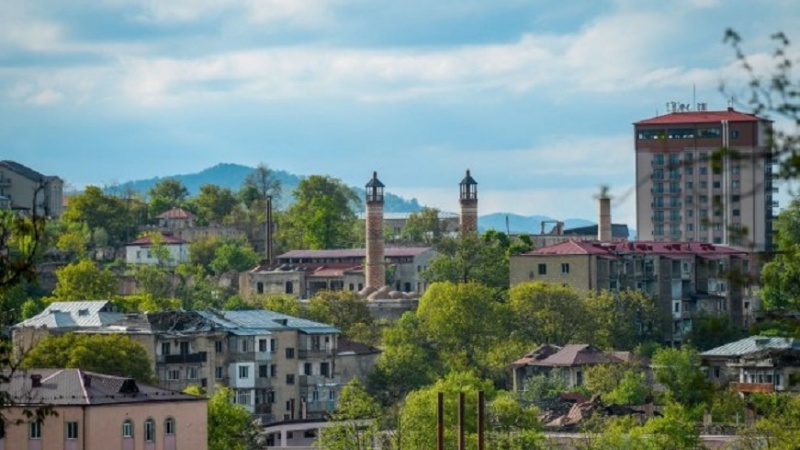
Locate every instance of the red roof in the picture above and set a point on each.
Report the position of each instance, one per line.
(692, 117)
(351, 253)
(166, 240)
(642, 247)
(176, 213)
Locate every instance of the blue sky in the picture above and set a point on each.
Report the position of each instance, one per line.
(536, 97)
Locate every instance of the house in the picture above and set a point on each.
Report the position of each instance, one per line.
(99, 411)
(570, 362)
(304, 272)
(176, 218)
(356, 360)
(29, 191)
(755, 364)
(280, 367)
(141, 251)
(687, 278)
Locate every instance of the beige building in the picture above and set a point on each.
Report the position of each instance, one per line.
(100, 412)
(280, 367)
(24, 189)
(687, 278)
(684, 195)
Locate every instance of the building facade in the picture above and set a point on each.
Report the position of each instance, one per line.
(280, 367)
(755, 364)
(141, 251)
(100, 411)
(687, 190)
(26, 190)
(687, 278)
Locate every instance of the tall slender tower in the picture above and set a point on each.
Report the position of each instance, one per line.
(468, 220)
(375, 271)
(604, 218)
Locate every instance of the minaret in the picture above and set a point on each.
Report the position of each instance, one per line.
(468, 220)
(375, 271)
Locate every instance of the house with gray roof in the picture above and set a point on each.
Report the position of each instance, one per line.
(755, 364)
(280, 367)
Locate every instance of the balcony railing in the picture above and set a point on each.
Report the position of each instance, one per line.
(310, 353)
(186, 358)
(753, 387)
(317, 380)
(321, 406)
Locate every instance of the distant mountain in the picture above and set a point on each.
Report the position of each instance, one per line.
(525, 224)
(233, 175)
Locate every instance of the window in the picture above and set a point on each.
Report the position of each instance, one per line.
(688, 171)
(289, 378)
(331, 395)
(689, 227)
(174, 374)
(263, 371)
(262, 345)
(273, 345)
(218, 373)
(127, 429)
(218, 346)
(689, 185)
(243, 397)
(735, 170)
(734, 134)
(289, 353)
(165, 347)
(191, 373)
(658, 159)
(149, 430)
(737, 212)
(565, 268)
(260, 287)
(169, 426)
(717, 185)
(184, 347)
(703, 185)
(324, 369)
(703, 170)
(289, 287)
(244, 372)
(735, 184)
(307, 368)
(72, 430)
(314, 342)
(735, 198)
(273, 371)
(542, 269)
(244, 345)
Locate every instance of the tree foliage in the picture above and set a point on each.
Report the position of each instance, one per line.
(622, 320)
(344, 309)
(321, 216)
(471, 258)
(258, 185)
(423, 227)
(547, 312)
(781, 276)
(84, 280)
(234, 255)
(100, 212)
(679, 371)
(230, 426)
(356, 421)
(167, 194)
(114, 354)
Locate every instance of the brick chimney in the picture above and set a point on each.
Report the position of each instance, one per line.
(375, 271)
(604, 219)
(468, 197)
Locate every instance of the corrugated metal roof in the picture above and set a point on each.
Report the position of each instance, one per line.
(74, 314)
(752, 344)
(266, 320)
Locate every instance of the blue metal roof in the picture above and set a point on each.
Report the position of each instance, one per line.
(752, 344)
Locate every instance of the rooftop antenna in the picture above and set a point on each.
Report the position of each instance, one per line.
(694, 93)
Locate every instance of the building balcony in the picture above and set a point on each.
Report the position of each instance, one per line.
(750, 388)
(317, 380)
(321, 406)
(186, 358)
(315, 353)
(263, 408)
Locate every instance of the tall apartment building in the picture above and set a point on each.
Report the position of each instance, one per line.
(684, 192)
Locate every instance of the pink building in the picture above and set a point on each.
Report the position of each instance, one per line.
(98, 411)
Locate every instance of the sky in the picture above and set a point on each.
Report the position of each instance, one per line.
(537, 98)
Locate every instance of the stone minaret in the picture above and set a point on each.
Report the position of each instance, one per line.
(604, 219)
(468, 220)
(375, 271)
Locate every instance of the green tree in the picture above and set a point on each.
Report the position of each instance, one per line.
(342, 309)
(631, 390)
(84, 280)
(281, 303)
(408, 361)
(214, 203)
(230, 426)
(513, 426)
(418, 419)
(464, 320)
(114, 354)
(234, 255)
(543, 388)
(471, 258)
(154, 281)
(781, 276)
(711, 331)
(423, 227)
(356, 421)
(99, 211)
(202, 251)
(321, 216)
(259, 184)
(622, 320)
(547, 312)
(167, 194)
(74, 240)
(679, 371)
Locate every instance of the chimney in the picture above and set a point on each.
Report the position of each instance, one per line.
(36, 380)
(87, 380)
(604, 222)
(269, 230)
(375, 271)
